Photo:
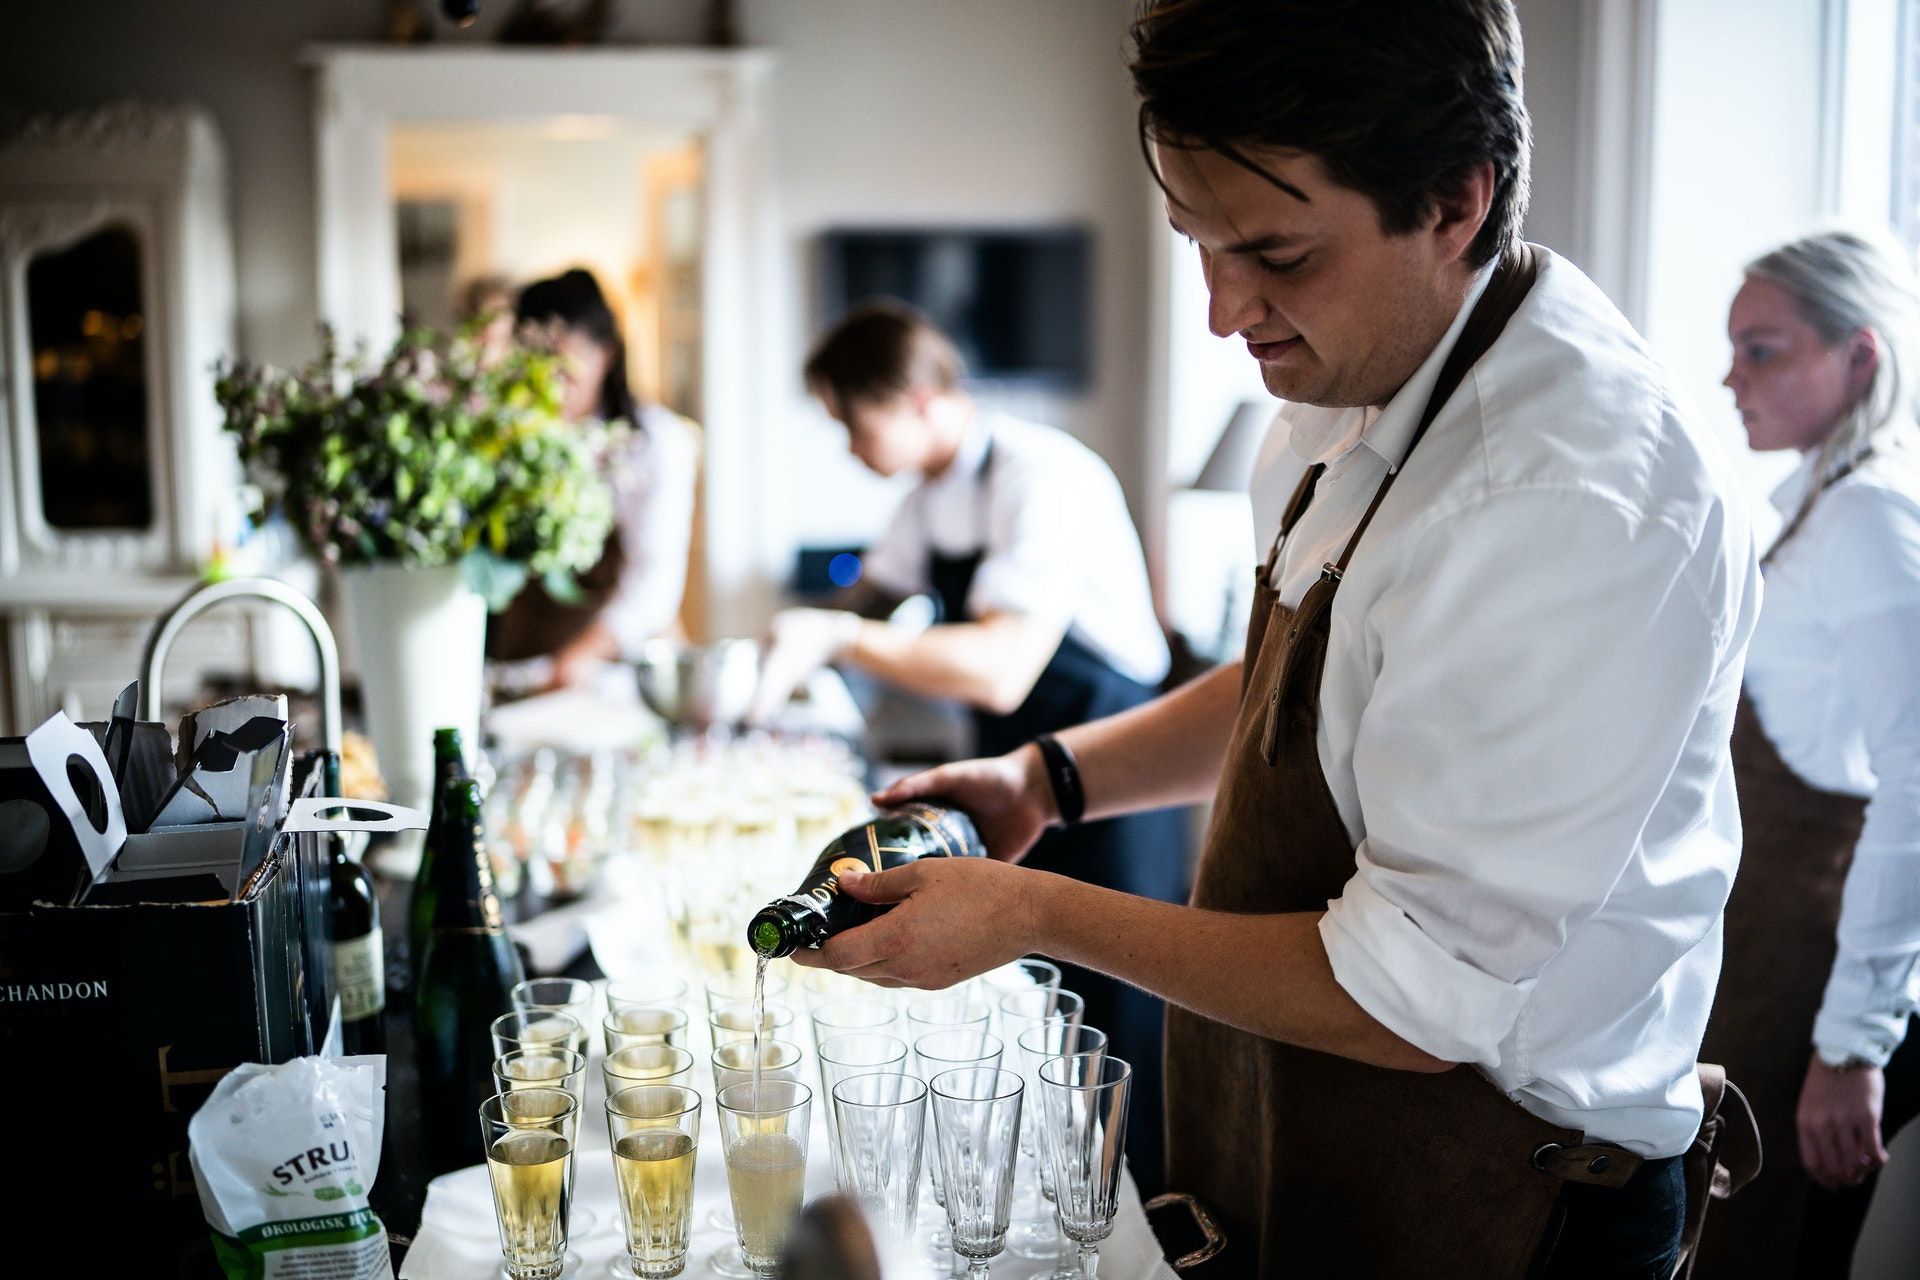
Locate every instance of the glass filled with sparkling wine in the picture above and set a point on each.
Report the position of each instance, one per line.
(529, 1137)
(764, 1131)
(655, 1131)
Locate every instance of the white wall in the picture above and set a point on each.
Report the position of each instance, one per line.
(881, 110)
(1737, 169)
(926, 111)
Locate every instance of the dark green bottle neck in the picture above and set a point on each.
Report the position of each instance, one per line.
(462, 874)
(781, 928)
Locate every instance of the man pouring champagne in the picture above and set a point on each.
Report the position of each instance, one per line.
(1437, 996)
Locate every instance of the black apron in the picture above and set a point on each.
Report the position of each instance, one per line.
(1140, 853)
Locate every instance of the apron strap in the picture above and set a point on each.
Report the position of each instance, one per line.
(1724, 1157)
(1290, 516)
(1806, 508)
(1512, 278)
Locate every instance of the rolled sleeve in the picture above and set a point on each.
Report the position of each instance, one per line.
(1392, 969)
(1543, 662)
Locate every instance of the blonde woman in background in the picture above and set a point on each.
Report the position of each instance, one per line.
(1823, 928)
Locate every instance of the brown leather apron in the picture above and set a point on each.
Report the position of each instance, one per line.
(535, 625)
(1780, 945)
(1318, 1165)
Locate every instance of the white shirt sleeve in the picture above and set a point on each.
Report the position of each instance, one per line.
(1542, 659)
(653, 510)
(1871, 580)
(1036, 548)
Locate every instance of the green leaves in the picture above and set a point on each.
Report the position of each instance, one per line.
(430, 456)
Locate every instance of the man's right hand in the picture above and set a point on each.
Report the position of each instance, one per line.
(1008, 797)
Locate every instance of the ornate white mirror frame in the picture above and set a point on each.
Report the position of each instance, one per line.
(363, 91)
(159, 173)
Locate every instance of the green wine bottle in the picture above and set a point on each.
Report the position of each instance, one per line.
(466, 981)
(818, 909)
(449, 761)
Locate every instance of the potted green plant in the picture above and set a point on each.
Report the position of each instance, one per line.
(437, 479)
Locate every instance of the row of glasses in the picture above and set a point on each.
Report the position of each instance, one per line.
(1083, 1102)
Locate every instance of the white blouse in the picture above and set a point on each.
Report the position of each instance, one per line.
(1529, 690)
(1834, 674)
(653, 486)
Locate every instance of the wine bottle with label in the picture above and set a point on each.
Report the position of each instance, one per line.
(466, 981)
(818, 909)
(359, 956)
(449, 761)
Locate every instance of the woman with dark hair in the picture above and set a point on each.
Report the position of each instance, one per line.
(633, 593)
(1823, 928)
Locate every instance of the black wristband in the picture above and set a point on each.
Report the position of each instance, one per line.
(1063, 775)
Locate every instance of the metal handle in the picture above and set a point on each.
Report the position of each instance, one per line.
(196, 602)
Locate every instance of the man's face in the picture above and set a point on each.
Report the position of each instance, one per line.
(1336, 311)
(889, 436)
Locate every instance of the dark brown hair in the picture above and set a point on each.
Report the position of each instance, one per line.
(574, 300)
(882, 350)
(1399, 99)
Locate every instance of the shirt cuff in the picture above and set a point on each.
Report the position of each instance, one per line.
(1863, 1015)
(1411, 985)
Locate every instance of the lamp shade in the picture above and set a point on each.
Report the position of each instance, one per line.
(1229, 468)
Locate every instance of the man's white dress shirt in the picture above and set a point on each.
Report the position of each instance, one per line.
(1534, 663)
(1058, 542)
(1835, 677)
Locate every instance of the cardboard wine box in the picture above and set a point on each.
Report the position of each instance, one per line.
(117, 1018)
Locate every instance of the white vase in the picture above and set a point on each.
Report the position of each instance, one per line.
(421, 636)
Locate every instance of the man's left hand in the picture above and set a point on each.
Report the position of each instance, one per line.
(954, 918)
(1839, 1123)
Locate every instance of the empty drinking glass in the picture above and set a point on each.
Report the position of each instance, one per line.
(947, 1011)
(841, 1017)
(882, 1118)
(1083, 1130)
(1040, 1237)
(854, 1054)
(976, 1121)
(965, 1047)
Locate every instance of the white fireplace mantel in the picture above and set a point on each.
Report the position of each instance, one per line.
(362, 91)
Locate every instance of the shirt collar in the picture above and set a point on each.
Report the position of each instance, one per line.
(970, 454)
(1327, 434)
(1791, 492)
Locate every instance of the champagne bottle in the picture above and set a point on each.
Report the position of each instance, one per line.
(448, 762)
(466, 981)
(818, 909)
(359, 956)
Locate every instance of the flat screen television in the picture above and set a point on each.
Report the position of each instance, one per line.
(1014, 300)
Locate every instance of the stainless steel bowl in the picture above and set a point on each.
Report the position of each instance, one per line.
(699, 686)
